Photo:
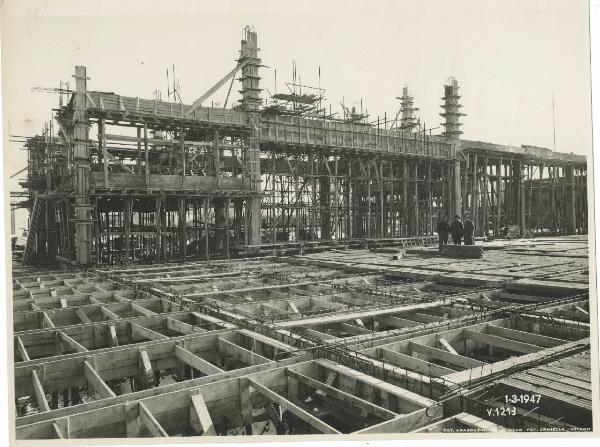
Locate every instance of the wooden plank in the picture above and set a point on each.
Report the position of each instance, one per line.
(415, 364)
(47, 321)
(329, 381)
(293, 307)
(82, 316)
(112, 336)
(526, 337)
(100, 387)
(198, 102)
(499, 342)
(38, 390)
(145, 367)
(148, 420)
(72, 343)
(200, 419)
(245, 402)
(58, 432)
(22, 350)
(347, 398)
(196, 362)
(453, 359)
(447, 346)
(292, 408)
(109, 314)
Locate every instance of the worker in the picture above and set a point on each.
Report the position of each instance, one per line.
(469, 230)
(456, 229)
(442, 230)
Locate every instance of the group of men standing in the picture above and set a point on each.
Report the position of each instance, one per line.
(457, 229)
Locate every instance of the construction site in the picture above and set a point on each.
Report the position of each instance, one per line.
(268, 267)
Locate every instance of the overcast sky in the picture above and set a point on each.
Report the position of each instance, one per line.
(510, 57)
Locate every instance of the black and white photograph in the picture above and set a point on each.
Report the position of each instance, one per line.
(279, 221)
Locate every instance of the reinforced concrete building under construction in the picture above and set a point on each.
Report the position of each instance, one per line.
(292, 288)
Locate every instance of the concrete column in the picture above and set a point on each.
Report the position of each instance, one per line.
(157, 221)
(572, 201)
(219, 205)
(83, 219)
(452, 133)
(251, 102)
(475, 195)
(127, 224)
(238, 206)
(182, 230)
(324, 188)
(163, 229)
(522, 201)
(456, 190)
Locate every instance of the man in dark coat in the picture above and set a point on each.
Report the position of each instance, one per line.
(442, 230)
(456, 230)
(469, 230)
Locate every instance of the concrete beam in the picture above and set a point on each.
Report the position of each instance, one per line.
(292, 408)
(525, 337)
(142, 310)
(390, 320)
(196, 362)
(415, 364)
(138, 332)
(424, 318)
(499, 342)
(453, 359)
(345, 316)
(344, 397)
(246, 356)
(181, 327)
